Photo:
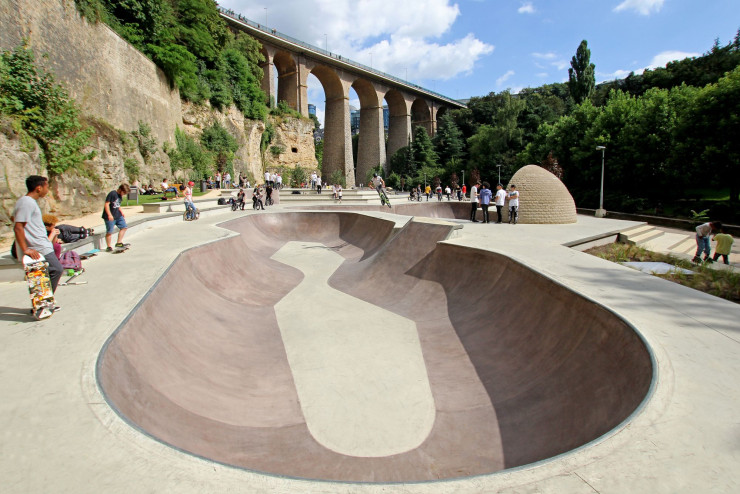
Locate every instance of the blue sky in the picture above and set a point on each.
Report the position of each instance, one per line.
(473, 47)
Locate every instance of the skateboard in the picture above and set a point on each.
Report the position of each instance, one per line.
(120, 250)
(89, 254)
(39, 287)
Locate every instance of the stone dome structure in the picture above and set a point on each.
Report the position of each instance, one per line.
(544, 199)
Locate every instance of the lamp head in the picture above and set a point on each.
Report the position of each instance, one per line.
(599, 148)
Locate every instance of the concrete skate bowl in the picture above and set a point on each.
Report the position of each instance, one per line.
(502, 367)
(454, 210)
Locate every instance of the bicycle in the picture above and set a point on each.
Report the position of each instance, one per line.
(384, 201)
(268, 201)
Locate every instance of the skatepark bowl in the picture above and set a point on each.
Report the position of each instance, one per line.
(335, 346)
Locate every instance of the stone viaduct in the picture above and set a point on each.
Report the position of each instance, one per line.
(292, 61)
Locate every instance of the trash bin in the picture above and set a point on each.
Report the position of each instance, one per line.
(203, 186)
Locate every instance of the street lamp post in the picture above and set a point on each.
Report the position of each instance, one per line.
(463, 172)
(326, 43)
(499, 173)
(601, 212)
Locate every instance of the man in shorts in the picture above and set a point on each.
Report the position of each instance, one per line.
(114, 217)
(31, 237)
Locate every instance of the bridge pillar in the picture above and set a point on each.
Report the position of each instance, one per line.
(371, 148)
(338, 140)
(268, 75)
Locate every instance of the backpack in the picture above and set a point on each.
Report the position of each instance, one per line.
(221, 201)
(71, 260)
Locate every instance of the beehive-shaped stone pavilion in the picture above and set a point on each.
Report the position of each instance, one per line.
(543, 198)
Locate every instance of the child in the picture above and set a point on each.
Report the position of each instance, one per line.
(724, 245)
(703, 232)
(50, 222)
(339, 193)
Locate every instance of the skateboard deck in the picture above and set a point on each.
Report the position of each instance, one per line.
(39, 287)
(120, 250)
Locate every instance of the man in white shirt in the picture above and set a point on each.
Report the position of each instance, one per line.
(500, 200)
(31, 237)
(267, 177)
(474, 201)
(513, 204)
(279, 181)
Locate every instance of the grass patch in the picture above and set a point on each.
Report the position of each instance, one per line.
(158, 198)
(720, 283)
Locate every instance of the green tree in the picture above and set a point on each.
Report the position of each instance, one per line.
(581, 78)
(43, 110)
(422, 150)
(190, 155)
(714, 132)
(222, 144)
(448, 141)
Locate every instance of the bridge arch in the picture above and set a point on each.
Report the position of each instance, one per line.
(287, 74)
(371, 146)
(399, 122)
(421, 115)
(337, 135)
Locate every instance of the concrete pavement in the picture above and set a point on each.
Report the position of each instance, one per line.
(60, 435)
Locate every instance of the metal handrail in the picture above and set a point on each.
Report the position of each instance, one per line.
(272, 32)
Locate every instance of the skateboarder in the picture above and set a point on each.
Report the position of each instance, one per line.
(114, 217)
(31, 238)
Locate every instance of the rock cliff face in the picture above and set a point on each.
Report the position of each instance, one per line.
(76, 192)
(117, 87)
(294, 137)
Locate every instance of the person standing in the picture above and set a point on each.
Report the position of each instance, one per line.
(279, 181)
(513, 204)
(724, 246)
(474, 201)
(267, 177)
(464, 192)
(448, 192)
(318, 185)
(31, 238)
(703, 232)
(428, 191)
(113, 216)
(500, 200)
(218, 180)
(485, 200)
(227, 180)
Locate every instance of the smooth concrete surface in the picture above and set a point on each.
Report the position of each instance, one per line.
(59, 434)
(358, 369)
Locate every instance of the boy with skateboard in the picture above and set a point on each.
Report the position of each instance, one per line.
(31, 238)
(114, 217)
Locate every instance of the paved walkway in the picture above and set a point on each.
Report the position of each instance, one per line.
(59, 435)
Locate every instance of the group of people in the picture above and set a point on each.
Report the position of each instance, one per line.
(481, 194)
(723, 239)
(260, 197)
(274, 180)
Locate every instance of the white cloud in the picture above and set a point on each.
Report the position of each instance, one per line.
(662, 58)
(553, 60)
(500, 81)
(526, 8)
(400, 35)
(542, 74)
(545, 56)
(642, 7)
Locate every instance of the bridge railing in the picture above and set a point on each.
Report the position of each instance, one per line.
(273, 32)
